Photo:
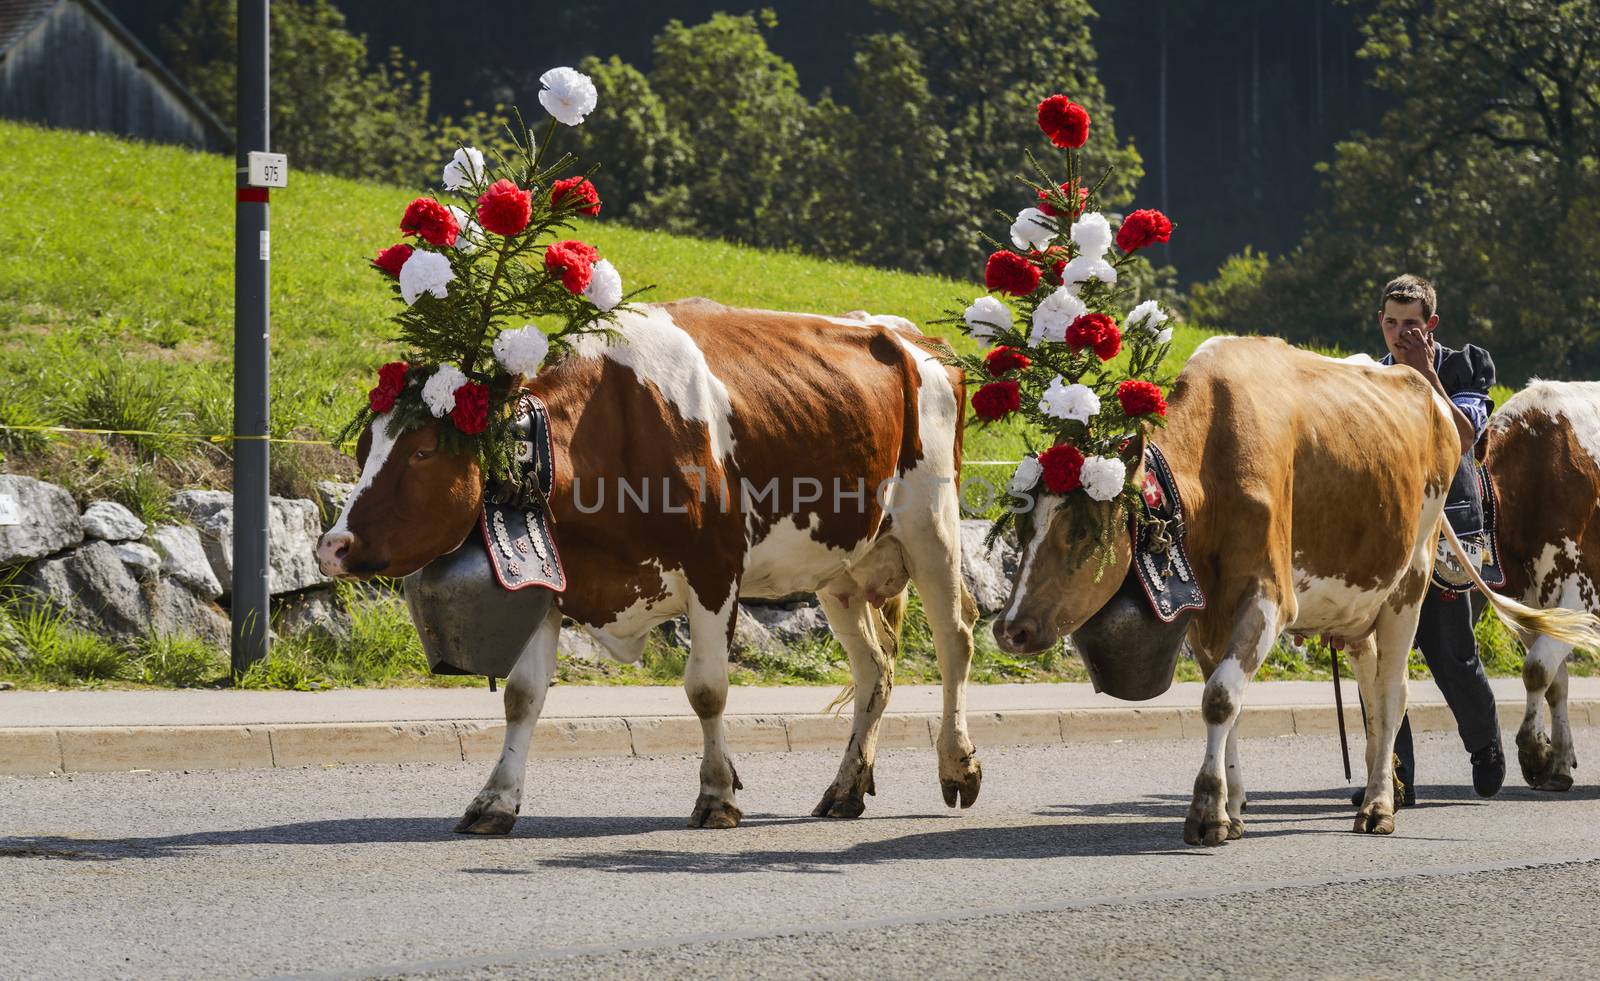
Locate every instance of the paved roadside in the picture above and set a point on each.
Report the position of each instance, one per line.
(80, 731)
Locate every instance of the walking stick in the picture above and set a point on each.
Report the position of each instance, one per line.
(1338, 706)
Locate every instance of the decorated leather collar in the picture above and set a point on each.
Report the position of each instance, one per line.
(516, 522)
(1160, 556)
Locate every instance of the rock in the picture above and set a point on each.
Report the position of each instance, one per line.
(141, 560)
(750, 633)
(576, 643)
(6, 686)
(331, 495)
(97, 590)
(110, 521)
(292, 532)
(789, 624)
(987, 572)
(316, 612)
(47, 520)
(184, 559)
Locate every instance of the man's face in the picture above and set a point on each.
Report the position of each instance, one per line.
(1399, 317)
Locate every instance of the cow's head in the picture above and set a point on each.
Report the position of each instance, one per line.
(413, 503)
(1064, 576)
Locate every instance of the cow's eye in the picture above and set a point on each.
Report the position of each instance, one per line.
(421, 455)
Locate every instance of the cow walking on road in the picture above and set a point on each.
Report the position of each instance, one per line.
(710, 454)
(1544, 463)
(1313, 491)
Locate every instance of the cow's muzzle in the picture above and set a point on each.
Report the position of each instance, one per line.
(1022, 635)
(336, 553)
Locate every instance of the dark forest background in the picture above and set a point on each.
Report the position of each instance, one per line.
(1305, 148)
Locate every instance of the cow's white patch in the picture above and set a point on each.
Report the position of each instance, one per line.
(788, 559)
(377, 456)
(1328, 604)
(1548, 583)
(1577, 402)
(1042, 516)
(663, 355)
(1209, 343)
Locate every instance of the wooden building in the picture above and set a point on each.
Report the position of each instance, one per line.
(70, 64)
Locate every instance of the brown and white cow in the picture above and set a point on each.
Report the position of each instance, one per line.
(1313, 492)
(775, 453)
(1544, 460)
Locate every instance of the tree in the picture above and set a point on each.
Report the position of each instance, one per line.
(331, 110)
(646, 152)
(1485, 177)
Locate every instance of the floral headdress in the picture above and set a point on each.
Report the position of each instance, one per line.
(1056, 363)
(480, 273)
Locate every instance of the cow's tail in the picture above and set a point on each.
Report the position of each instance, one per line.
(1568, 626)
(887, 622)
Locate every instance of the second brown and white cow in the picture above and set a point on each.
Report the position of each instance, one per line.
(1544, 460)
(709, 454)
(1313, 491)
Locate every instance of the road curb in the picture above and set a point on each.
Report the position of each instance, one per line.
(86, 749)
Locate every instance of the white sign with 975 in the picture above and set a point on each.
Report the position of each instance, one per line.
(268, 169)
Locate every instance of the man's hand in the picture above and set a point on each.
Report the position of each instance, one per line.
(1415, 347)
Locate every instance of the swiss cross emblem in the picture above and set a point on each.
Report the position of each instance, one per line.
(1153, 495)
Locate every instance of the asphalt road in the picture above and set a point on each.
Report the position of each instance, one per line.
(1072, 863)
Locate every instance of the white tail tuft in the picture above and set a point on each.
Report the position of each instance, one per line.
(1568, 626)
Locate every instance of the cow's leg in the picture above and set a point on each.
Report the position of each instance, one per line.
(933, 555)
(495, 809)
(872, 673)
(1212, 819)
(1379, 662)
(1544, 675)
(1236, 795)
(705, 679)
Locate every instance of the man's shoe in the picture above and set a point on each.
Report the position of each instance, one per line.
(1407, 799)
(1488, 770)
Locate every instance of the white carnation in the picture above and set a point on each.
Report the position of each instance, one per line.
(470, 238)
(1027, 475)
(1092, 234)
(1054, 314)
(1086, 267)
(605, 285)
(1164, 336)
(1149, 316)
(568, 95)
(521, 351)
(1074, 403)
(1033, 229)
(1103, 477)
(439, 391)
(425, 272)
(985, 315)
(465, 170)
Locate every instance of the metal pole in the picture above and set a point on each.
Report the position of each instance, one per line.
(251, 321)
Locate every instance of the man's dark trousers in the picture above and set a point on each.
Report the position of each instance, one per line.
(1444, 636)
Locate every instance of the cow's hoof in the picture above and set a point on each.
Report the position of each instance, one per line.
(1371, 821)
(963, 790)
(1198, 831)
(839, 803)
(1535, 757)
(482, 820)
(1235, 830)
(1556, 783)
(712, 812)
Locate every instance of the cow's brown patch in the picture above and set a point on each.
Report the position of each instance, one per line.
(1547, 486)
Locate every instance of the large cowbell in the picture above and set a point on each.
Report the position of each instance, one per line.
(469, 624)
(1130, 653)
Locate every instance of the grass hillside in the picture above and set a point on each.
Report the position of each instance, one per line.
(116, 303)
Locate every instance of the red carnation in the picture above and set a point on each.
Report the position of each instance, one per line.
(431, 220)
(1109, 343)
(996, 400)
(471, 414)
(1098, 331)
(1063, 468)
(1141, 398)
(1066, 191)
(505, 208)
(1004, 359)
(1144, 227)
(391, 382)
(1010, 273)
(391, 259)
(1054, 259)
(583, 195)
(572, 262)
(1064, 121)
